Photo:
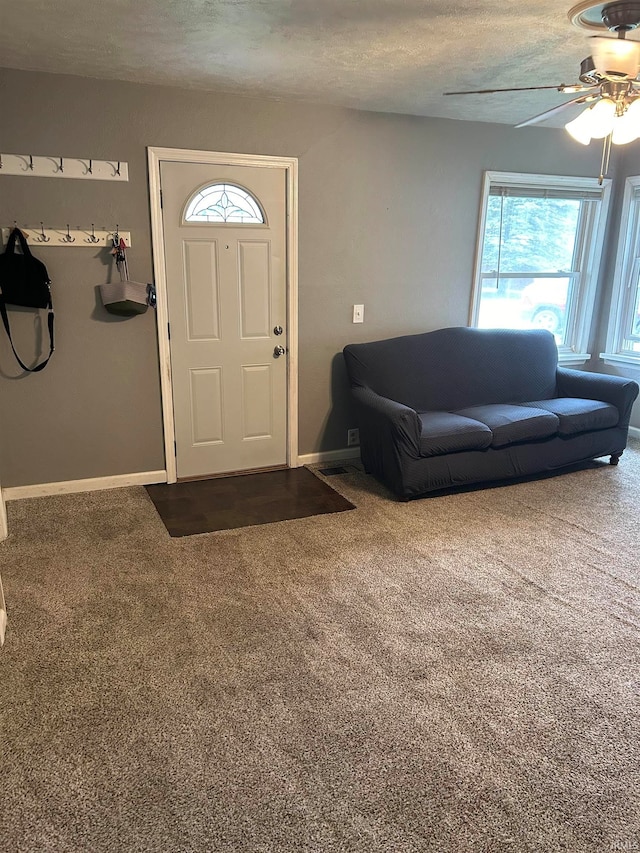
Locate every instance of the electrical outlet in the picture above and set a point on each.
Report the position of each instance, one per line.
(353, 437)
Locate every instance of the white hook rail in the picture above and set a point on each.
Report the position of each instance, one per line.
(79, 238)
(29, 165)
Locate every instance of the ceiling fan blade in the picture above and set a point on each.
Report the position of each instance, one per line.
(563, 87)
(555, 110)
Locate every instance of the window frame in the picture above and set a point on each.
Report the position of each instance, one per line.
(627, 269)
(223, 222)
(589, 250)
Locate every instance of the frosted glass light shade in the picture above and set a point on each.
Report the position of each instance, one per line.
(614, 57)
(626, 128)
(580, 127)
(601, 118)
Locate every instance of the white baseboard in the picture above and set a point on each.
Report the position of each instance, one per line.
(634, 432)
(145, 478)
(40, 490)
(329, 456)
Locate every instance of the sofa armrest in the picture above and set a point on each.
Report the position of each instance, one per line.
(616, 390)
(380, 416)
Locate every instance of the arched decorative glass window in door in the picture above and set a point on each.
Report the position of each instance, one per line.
(224, 203)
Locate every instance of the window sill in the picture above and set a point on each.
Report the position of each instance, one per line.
(568, 359)
(616, 358)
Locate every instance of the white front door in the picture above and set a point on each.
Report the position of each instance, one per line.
(224, 234)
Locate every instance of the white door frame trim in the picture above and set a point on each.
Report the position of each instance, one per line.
(4, 531)
(217, 158)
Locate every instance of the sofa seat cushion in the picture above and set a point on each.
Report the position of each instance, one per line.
(443, 432)
(511, 424)
(578, 415)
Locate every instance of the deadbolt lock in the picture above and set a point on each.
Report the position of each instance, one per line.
(277, 330)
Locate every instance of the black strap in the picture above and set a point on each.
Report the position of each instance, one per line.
(5, 320)
(17, 234)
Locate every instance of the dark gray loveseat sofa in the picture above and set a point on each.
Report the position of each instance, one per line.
(460, 406)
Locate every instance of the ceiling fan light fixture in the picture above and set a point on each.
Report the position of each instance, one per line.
(626, 128)
(580, 128)
(615, 58)
(601, 118)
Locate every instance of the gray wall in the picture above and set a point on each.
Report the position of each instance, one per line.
(388, 217)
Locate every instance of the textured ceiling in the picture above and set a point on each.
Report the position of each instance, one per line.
(387, 55)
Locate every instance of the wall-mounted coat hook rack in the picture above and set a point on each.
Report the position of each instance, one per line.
(64, 167)
(77, 238)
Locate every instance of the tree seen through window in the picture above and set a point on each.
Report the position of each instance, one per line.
(527, 258)
(533, 234)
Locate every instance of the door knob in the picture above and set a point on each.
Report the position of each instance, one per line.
(278, 351)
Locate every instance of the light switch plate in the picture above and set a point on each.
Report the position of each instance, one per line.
(358, 313)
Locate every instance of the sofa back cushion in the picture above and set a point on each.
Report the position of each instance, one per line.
(450, 369)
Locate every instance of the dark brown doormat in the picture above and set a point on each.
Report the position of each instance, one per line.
(223, 503)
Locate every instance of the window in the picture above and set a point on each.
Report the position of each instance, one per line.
(539, 245)
(224, 203)
(623, 338)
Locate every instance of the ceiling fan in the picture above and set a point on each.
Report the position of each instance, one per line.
(608, 79)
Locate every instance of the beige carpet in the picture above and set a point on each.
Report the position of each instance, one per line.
(451, 675)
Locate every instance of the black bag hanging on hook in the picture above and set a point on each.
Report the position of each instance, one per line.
(25, 282)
